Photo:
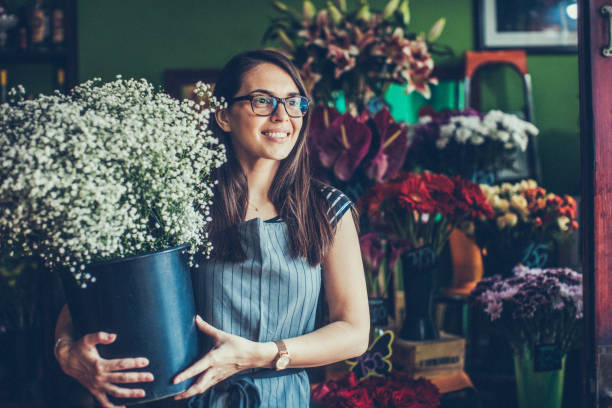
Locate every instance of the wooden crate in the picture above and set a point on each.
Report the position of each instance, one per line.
(430, 359)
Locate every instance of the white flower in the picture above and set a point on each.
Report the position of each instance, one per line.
(86, 177)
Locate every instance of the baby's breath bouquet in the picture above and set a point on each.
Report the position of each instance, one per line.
(109, 171)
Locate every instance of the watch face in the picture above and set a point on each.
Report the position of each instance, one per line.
(282, 362)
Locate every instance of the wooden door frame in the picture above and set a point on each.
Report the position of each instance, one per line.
(596, 167)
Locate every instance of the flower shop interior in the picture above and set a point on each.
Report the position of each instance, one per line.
(463, 131)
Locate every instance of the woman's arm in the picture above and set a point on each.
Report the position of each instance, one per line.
(345, 290)
(346, 336)
(80, 360)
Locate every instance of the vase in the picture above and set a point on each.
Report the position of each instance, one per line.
(467, 263)
(538, 387)
(418, 272)
(148, 302)
(379, 316)
(530, 253)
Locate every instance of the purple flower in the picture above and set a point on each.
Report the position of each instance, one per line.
(393, 147)
(372, 250)
(398, 247)
(494, 309)
(343, 145)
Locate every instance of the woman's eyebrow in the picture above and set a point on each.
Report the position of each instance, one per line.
(272, 93)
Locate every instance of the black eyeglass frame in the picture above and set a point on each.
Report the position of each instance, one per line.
(276, 100)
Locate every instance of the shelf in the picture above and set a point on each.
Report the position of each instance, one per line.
(12, 57)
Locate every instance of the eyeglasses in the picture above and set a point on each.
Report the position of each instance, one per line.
(266, 105)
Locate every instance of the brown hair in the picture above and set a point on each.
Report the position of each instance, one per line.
(297, 197)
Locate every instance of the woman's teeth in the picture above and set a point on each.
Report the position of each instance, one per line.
(276, 134)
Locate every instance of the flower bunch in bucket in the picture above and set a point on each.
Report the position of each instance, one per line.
(109, 171)
(423, 208)
(528, 221)
(469, 143)
(355, 49)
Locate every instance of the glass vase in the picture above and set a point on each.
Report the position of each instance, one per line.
(537, 389)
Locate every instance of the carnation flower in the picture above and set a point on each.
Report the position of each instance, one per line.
(533, 306)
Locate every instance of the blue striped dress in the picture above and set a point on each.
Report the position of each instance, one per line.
(270, 296)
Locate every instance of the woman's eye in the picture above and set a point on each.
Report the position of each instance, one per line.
(263, 100)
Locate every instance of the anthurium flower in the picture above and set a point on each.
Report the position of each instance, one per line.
(343, 145)
(372, 250)
(393, 147)
(397, 247)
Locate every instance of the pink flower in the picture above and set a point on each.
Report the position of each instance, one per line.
(341, 58)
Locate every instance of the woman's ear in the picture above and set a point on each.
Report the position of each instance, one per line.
(222, 118)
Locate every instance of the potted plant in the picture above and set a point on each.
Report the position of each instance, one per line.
(111, 185)
(468, 143)
(418, 212)
(355, 50)
(528, 222)
(537, 311)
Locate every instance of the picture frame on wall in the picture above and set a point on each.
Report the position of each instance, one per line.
(180, 83)
(538, 26)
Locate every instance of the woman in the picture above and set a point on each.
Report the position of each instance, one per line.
(277, 236)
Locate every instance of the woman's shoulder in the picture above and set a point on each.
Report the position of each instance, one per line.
(338, 203)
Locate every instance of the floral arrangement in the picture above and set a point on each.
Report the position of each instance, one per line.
(534, 306)
(358, 52)
(422, 209)
(111, 170)
(466, 141)
(353, 153)
(526, 217)
(398, 390)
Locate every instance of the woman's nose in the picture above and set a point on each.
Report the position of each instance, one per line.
(280, 114)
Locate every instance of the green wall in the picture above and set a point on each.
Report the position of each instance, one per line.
(143, 38)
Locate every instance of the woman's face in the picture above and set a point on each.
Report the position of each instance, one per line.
(262, 137)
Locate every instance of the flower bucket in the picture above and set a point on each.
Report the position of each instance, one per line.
(148, 301)
(538, 386)
(418, 271)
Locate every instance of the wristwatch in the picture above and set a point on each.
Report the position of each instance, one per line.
(282, 359)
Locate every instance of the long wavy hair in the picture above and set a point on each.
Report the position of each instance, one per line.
(297, 198)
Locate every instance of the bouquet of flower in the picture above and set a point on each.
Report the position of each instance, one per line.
(353, 153)
(534, 306)
(468, 143)
(399, 390)
(527, 220)
(422, 209)
(358, 52)
(111, 170)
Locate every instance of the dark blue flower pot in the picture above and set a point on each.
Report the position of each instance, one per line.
(148, 301)
(418, 271)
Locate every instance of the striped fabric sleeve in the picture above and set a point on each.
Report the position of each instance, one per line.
(338, 203)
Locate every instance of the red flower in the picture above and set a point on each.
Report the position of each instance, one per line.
(414, 195)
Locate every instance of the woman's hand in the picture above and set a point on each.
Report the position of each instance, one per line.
(230, 355)
(81, 361)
